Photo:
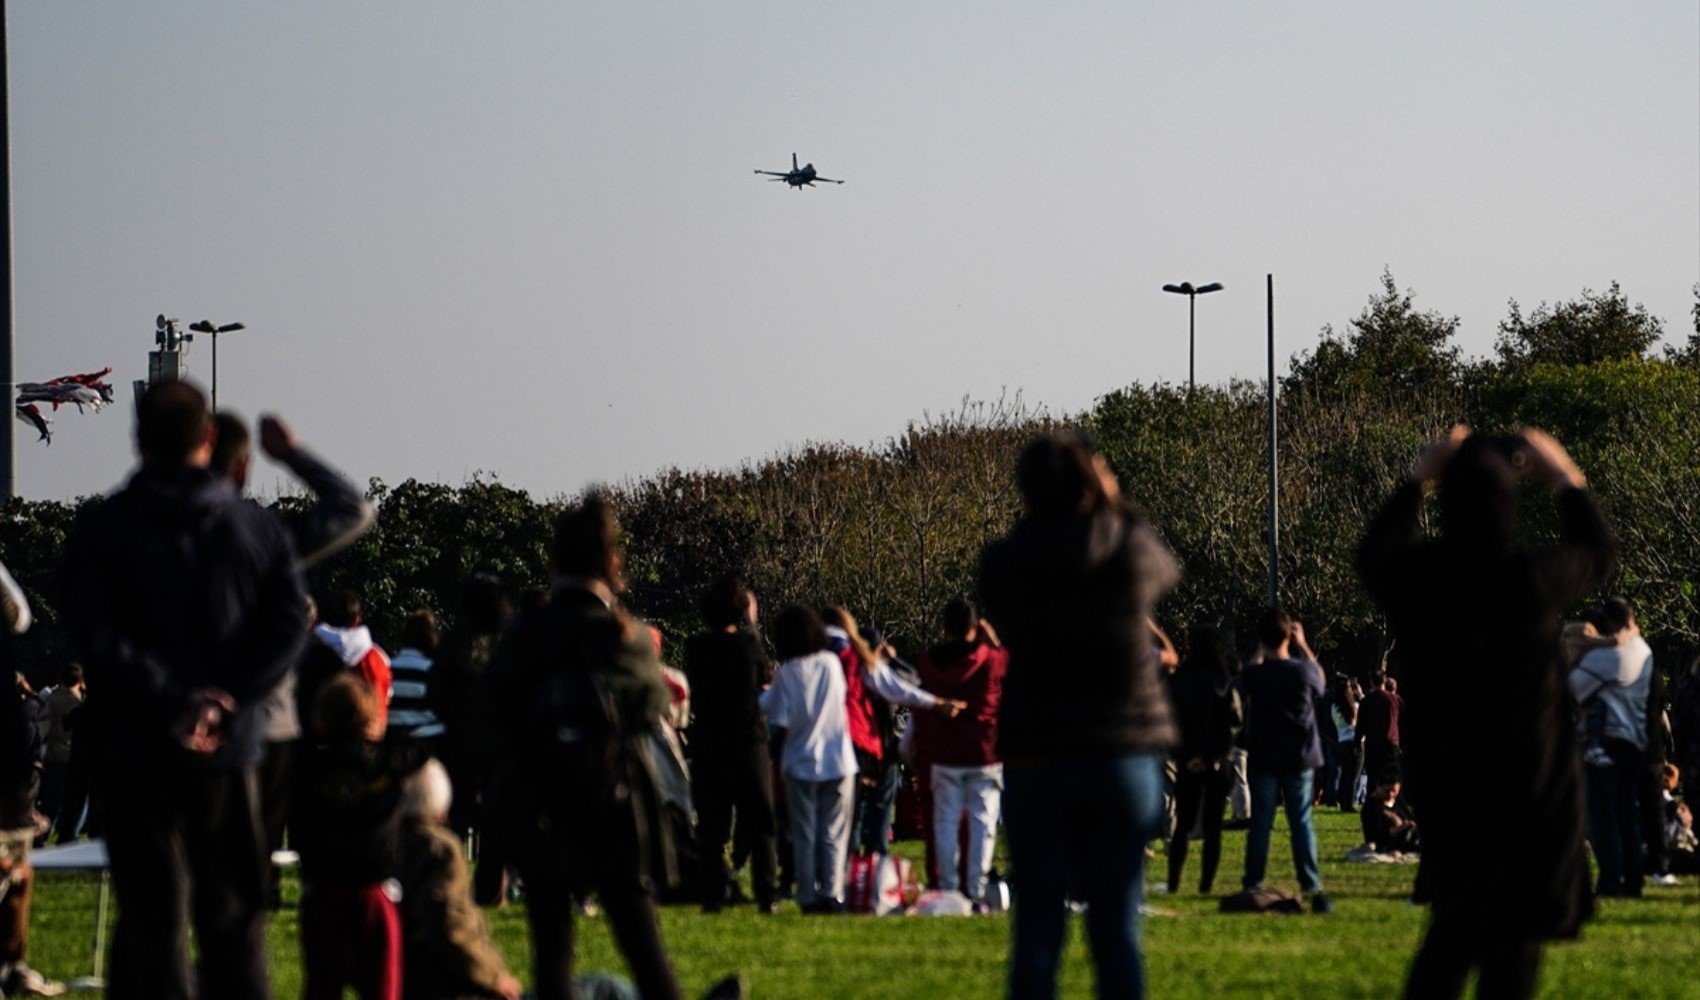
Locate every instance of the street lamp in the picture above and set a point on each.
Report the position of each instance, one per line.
(1192, 294)
(205, 326)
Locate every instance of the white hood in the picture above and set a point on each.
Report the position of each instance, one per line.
(349, 644)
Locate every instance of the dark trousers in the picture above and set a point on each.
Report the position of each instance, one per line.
(186, 846)
(870, 829)
(1614, 818)
(1084, 820)
(1328, 775)
(74, 807)
(1381, 762)
(549, 908)
(55, 777)
(1510, 967)
(1350, 758)
(277, 771)
(1657, 855)
(1195, 791)
(350, 937)
(741, 779)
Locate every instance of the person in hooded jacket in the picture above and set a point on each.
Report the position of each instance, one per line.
(1208, 708)
(1477, 619)
(1084, 723)
(967, 773)
(342, 643)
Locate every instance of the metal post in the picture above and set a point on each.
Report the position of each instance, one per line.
(215, 372)
(1274, 486)
(1191, 342)
(8, 378)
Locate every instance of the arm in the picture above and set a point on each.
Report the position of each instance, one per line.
(14, 607)
(339, 514)
(884, 682)
(276, 627)
(772, 701)
(1166, 655)
(1392, 534)
(1158, 570)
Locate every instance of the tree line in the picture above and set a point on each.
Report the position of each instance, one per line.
(893, 529)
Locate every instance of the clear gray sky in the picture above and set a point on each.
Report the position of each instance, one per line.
(524, 237)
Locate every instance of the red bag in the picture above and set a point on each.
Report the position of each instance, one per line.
(861, 883)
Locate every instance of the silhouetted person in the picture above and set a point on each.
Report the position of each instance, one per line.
(1378, 728)
(1084, 725)
(1617, 680)
(1490, 742)
(185, 607)
(1208, 708)
(576, 687)
(731, 769)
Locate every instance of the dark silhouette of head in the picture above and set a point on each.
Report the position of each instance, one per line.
(484, 604)
(960, 618)
(341, 609)
(586, 542)
(346, 711)
(1210, 649)
(173, 427)
(1274, 629)
(1060, 476)
(1615, 615)
(725, 602)
(232, 449)
(420, 632)
(798, 631)
(1478, 494)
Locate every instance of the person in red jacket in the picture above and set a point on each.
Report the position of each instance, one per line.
(967, 773)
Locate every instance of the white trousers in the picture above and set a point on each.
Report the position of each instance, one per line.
(979, 791)
(820, 836)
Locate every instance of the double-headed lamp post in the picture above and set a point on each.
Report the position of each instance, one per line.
(205, 326)
(1192, 294)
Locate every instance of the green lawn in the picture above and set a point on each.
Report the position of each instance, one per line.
(1636, 948)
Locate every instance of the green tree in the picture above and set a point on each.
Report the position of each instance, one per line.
(1389, 345)
(1601, 326)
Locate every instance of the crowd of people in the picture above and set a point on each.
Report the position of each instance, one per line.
(218, 720)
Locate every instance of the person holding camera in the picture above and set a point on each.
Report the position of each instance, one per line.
(1477, 619)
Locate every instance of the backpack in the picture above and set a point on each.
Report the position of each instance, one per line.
(1261, 901)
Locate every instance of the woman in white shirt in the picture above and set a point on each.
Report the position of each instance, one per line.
(806, 699)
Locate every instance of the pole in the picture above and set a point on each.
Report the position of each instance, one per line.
(1274, 486)
(8, 458)
(215, 372)
(1191, 341)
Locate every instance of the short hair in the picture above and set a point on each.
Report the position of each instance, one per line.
(1274, 628)
(1615, 615)
(484, 603)
(798, 631)
(345, 709)
(1057, 476)
(959, 618)
(73, 674)
(171, 421)
(724, 601)
(420, 631)
(340, 609)
(231, 445)
(586, 538)
(1389, 685)
(428, 793)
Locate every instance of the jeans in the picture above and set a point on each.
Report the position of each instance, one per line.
(820, 836)
(1614, 819)
(1089, 818)
(1267, 789)
(873, 810)
(979, 790)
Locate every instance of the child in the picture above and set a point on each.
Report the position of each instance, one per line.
(447, 952)
(347, 824)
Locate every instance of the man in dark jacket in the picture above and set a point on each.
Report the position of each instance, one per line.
(967, 773)
(1378, 728)
(1282, 689)
(186, 609)
(1477, 619)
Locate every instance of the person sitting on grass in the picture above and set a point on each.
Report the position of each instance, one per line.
(347, 825)
(1387, 822)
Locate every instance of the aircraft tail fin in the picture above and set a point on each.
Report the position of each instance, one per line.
(793, 161)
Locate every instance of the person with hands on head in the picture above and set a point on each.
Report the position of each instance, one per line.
(1477, 619)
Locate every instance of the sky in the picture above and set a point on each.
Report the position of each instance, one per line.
(524, 239)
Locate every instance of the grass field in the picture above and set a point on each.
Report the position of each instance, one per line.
(1635, 948)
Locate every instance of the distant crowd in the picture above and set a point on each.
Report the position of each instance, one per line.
(218, 724)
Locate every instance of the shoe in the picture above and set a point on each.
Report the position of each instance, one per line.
(1237, 824)
(732, 987)
(980, 909)
(1596, 756)
(711, 908)
(1321, 904)
(25, 981)
(767, 909)
(1665, 878)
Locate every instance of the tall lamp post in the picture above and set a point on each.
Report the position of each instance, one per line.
(205, 326)
(1192, 294)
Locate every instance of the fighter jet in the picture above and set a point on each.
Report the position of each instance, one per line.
(797, 176)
